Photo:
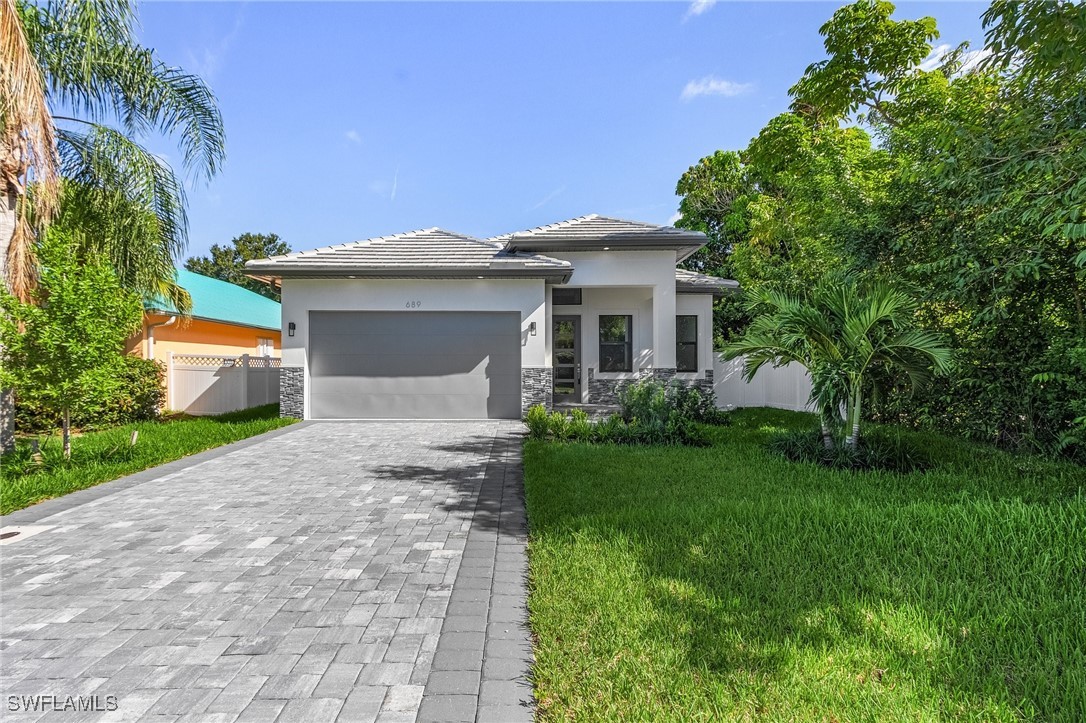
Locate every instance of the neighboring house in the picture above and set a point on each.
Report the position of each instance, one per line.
(435, 324)
(226, 320)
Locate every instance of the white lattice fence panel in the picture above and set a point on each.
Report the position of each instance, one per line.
(203, 384)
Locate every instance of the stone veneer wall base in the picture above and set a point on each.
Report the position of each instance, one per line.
(606, 391)
(291, 392)
(536, 387)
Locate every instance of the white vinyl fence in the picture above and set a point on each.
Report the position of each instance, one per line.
(209, 384)
(786, 387)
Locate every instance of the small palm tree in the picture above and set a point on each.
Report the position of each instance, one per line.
(840, 332)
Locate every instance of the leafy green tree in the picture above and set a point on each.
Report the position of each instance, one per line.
(965, 181)
(66, 342)
(870, 57)
(796, 202)
(841, 333)
(83, 55)
(987, 208)
(227, 262)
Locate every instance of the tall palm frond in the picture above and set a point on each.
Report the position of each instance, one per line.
(27, 149)
(87, 53)
(104, 160)
(117, 91)
(106, 223)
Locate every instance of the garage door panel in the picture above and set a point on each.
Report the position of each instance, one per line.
(414, 365)
(416, 406)
(458, 385)
(393, 322)
(427, 344)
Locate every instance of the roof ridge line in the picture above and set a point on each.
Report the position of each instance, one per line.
(556, 224)
(369, 241)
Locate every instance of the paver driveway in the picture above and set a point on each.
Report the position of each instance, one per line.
(349, 571)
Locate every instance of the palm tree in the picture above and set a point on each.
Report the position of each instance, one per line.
(840, 332)
(85, 162)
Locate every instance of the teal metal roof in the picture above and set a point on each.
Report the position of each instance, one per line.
(215, 300)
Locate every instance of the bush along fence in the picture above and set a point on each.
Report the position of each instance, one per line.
(201, 384)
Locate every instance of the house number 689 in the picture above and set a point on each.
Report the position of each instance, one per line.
(415, 304)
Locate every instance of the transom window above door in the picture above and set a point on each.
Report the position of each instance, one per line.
(565, 296)
(616, 343)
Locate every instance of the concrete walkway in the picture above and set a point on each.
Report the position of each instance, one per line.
(352, 571)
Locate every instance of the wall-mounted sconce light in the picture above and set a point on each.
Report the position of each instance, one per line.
(531, 328)
(290, 328)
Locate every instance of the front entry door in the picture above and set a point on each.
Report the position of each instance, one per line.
(566, 357)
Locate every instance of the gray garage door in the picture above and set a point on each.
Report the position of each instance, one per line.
(414, 365)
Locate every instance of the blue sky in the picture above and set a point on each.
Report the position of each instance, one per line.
(351, 120)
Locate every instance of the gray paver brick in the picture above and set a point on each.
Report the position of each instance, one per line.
(447, 708)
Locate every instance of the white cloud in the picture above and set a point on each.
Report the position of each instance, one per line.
(711, 85)
(674, 218)
(973, 58)
(935, 58)
(969, 59)
(207, 61)
(352, 136)
(697, 7)
(548, 198)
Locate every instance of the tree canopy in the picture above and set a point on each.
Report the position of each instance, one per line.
(227, 261)
(962, 180)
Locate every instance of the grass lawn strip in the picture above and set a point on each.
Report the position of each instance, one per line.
(103, 456)
(725, 583)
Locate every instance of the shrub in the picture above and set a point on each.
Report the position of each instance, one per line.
(538, 422)
(649, 399)
(879, 449)
(559, 425)
(137, 396)
(580, 428)
(674, 430)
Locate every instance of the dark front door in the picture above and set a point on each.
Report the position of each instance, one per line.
(566, 357)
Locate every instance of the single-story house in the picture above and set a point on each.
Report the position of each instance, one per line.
(226, 320)
(433, 324)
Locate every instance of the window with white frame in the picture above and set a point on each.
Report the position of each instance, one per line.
(265, 346)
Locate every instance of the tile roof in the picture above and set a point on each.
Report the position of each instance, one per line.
(594, 232)
(431, 251)
(216, 300)
(691, 282)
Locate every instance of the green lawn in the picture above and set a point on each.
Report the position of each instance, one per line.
(102, 456)
(726, 584)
